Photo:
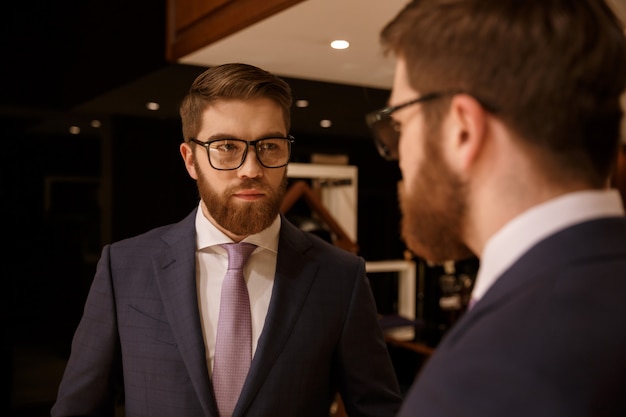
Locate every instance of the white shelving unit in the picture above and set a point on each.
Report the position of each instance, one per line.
(340, 198)
(406, 282)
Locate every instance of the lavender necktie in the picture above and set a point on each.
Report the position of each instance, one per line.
(233, 345)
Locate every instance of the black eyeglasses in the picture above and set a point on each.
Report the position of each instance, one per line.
(386, 131)
(230, 154)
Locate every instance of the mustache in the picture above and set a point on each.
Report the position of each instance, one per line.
(250, 183)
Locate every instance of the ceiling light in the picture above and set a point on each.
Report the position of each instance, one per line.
(96, 123)
(302, 103)
(326, 123)
(74, 130)
(151, 105)
(339, 44)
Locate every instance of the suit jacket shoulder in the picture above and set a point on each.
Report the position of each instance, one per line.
(550, 329)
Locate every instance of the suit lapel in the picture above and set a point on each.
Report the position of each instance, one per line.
(295, 273)
(177, 284)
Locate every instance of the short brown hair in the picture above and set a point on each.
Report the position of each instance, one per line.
(554, 70)
(233, 81)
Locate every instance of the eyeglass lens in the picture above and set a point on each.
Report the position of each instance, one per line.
(387, 137)
(230, 153)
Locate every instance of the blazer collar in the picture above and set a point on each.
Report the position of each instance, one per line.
(175, 269)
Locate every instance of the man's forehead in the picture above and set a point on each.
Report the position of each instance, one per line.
(401, 90)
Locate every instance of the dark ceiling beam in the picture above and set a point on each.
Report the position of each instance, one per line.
(194, 24)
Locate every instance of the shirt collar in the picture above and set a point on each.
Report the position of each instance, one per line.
(516, 237)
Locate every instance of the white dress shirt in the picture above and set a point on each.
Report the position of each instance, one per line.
(516, 237)
(211, 265)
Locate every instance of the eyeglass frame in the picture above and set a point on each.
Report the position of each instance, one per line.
(377, 116)
(289, 138)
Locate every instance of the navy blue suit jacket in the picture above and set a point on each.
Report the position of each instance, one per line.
(548, 339)
(141, 324)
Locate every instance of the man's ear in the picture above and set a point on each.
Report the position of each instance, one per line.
(467, 130)
(187, 153)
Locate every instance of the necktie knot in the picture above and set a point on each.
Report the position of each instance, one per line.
(238, 253)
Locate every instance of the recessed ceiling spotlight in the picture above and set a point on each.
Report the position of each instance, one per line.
(74, 130)
(339, 44)
(151, 105)
(302, 103)
(325, 123)
(96, 123)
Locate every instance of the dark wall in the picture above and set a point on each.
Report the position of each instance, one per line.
(57, 54)
(50, 204)
(150, 185)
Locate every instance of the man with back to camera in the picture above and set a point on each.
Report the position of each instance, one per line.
(505, 118)
(153, 318)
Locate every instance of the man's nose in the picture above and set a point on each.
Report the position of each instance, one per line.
(251, 166)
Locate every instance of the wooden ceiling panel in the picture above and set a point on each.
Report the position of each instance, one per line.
(193, 24)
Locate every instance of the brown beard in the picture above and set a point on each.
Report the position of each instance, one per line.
(242, 218)
(434, 210)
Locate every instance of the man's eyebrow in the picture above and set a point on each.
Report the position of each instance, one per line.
(221, 136)
(226, 136)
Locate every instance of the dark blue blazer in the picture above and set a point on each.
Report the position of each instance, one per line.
(141, 326)
(548, 339)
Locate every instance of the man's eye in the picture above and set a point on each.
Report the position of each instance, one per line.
(395, 125)
(225, 146)
(267, 146)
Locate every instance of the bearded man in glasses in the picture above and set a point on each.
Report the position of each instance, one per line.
(153, 321)
(505, 118)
